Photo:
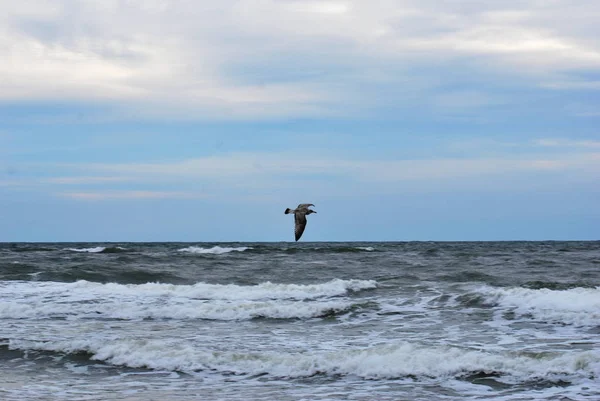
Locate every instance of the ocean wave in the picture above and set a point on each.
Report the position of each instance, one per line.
(29, 248)
(464, 276)
(328, 249)
(176, 309)
(575, 306)
(215, 250)
(98, 249)
(266, 290)
(366, 248)
(556, 285)
(84, 299)
(389, 361)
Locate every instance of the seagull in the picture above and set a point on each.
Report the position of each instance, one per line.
(300, 217)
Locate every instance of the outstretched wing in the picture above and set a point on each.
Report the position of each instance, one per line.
(300, 219)
(304, 205)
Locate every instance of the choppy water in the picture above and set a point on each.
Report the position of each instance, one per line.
(301, 321)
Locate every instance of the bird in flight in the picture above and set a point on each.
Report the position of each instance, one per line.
(300, 217)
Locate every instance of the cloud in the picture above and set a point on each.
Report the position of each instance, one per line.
(184, 59)
(563, 143)
(482, 165)
(262, 170)
(15, 184)
(121, 195)
(572, 84)
(319, 7)
(466, 100)
(158, 70)
(85, 180)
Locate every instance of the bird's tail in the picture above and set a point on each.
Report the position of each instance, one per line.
(288, 211)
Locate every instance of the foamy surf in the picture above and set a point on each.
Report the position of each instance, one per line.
(83, 299)
(320, 321)
(84, 289)
(576, 306)
(115, 309)
(215, 250)
(389, 361)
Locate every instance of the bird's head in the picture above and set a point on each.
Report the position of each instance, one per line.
(311, 211)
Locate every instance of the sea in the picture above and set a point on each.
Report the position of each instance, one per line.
(300, 321)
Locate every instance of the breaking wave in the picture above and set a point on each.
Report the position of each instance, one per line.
(576, 306)
(215, 250)
(188, 310)
(328, 249)
(389, 361)
(366, 248)
(85, 300)
(98, 249)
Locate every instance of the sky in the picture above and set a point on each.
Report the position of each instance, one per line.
(152, 120)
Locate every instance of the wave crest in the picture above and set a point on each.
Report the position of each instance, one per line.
(84, 299)
(215, 250)
(378, 362)
(99, 249)
(576, 306)
(96, 249)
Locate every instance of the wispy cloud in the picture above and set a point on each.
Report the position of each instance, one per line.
(572, 84)
(14, 184)
(85, 180)
(563, 143)
(270, 170)
(121, 195)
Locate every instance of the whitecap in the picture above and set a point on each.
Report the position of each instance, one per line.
(189, 310)
(84, 299)
(83, 289)
(215, 250)
(89, 250)
(576, 306)
(389, 361)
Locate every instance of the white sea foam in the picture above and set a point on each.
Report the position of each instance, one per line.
(83, 289)
(88, 250)
(174, 309)
(84, 299)
(366, 248)
(577, 306)
(377, 362)
(215, 250)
